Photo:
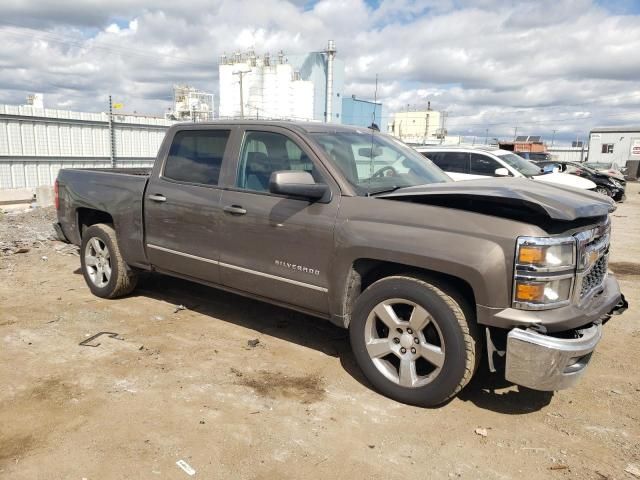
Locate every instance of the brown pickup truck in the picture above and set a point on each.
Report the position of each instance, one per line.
(353, 226)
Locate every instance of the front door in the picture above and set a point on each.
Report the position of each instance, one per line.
(274, 246)
(182, 205)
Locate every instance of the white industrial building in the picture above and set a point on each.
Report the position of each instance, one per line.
(191, 105)
(270, 88)
(614, 144)
(418, 126)
(297, 87)
(36, 142)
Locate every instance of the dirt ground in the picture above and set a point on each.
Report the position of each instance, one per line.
(186, 385)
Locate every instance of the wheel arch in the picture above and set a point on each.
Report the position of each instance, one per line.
(363, 272)
(87, 217)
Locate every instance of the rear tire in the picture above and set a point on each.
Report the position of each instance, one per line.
(105, 271)
(413, 340)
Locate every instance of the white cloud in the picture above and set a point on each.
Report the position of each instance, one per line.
(113, 28)
(546, 65)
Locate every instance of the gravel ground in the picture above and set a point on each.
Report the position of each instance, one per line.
(22, 230)
(193, 384)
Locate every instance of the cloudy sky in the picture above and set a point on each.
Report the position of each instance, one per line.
(564, 65)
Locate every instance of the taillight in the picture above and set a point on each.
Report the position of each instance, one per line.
(57, 197)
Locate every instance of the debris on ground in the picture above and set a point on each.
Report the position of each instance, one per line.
(22, 230)
(633, 469)
(559, 467)
(253, 343)
(67, 249)
(235, 371)
(87, 341)
(188, 469)
(481, 431)
(179, 308)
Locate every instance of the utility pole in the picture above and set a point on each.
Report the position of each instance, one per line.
(515, 133)
(553, 137)
(328, 108)
(112, 137)
(426, 130)
(444, 124)
(240, 74)
(486, 135)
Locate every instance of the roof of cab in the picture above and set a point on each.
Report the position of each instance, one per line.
(304, 127)
(484, 148)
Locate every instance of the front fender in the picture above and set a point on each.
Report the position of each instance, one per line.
(484, 263)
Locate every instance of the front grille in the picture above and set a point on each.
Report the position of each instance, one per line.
(595, 277)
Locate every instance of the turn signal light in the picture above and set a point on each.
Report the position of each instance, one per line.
(531, 255)
(529, 292)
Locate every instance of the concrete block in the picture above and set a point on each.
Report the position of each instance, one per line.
(12, 196)
(45, 196)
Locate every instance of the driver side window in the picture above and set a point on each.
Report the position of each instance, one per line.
(483, 165)
(266, 152)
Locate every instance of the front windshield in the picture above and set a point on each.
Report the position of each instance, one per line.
(525, 167)
(374, 163)
(583, 166)
(599, 165)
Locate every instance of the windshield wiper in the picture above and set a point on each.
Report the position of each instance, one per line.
(384, 190)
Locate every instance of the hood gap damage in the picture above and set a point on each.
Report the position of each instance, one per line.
(510, 208)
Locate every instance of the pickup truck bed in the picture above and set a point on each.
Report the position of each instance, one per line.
(115, 194)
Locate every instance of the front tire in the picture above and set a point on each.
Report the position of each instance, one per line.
(413, 340)
(105, 271)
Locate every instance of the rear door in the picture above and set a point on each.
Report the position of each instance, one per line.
(182, 204)
(272, 245)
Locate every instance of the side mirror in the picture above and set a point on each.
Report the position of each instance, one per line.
(296, 183)
(501, 172)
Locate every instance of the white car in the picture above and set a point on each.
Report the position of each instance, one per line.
(466, 163)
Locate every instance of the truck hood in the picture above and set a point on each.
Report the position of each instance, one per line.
(510, 197)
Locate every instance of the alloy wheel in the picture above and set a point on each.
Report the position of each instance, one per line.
(404, 342)
(97, 262)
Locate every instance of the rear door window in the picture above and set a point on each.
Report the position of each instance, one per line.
(483, 165)
(455, 162)
(196, 156)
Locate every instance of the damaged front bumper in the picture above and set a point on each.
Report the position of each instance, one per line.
(546, 362)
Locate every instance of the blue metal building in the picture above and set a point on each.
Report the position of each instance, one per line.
(361, 113)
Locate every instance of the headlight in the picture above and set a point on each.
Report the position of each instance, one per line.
(615, 183)
(545, 256)
(544, 272)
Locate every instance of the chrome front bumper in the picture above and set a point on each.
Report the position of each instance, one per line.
(544, 362)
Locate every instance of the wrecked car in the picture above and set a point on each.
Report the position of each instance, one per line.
(350, 225)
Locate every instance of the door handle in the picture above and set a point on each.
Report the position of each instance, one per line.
(158, 198)
(235, 210)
